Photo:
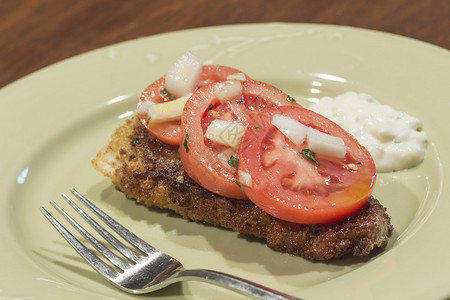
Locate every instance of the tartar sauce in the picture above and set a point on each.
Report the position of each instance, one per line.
(394, 139)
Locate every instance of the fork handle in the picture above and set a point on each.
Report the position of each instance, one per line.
(237, 284)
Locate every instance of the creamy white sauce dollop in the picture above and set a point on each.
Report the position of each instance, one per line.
(394, 139)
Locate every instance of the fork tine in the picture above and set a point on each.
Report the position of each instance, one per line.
(103, 232)
(92, 259)
(122, 231)
(99, 246)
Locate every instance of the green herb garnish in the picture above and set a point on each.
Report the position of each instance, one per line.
(165, 93)
(310, 155)
(290, 98)
(240, 101)
(210, 107)
(239, 185)
(185, 144)
(233, 161)
(258, 127)
(136, 141)
(148, 121)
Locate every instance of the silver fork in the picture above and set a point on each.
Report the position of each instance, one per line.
(147, 272)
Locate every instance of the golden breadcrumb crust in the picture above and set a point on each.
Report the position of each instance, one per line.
(151, 172)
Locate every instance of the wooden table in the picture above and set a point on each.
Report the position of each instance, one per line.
(37, 33)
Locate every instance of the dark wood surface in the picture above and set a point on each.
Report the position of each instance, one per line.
(37, 33)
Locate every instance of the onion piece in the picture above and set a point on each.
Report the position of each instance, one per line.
(227, 90)
(225, 133)
(292, 129)
(245, 178)
(237, 76)
(184, 76)
(144, 106)
(167, 111)
(326, 144)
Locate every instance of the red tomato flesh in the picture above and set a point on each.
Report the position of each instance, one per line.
(170, 132)
(290, 186)
(200, 155)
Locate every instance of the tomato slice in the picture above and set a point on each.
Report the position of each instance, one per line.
(170, 132)
(290, 186)
(201, 157)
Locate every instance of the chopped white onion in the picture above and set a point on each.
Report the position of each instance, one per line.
(144, 106)
(167, 111)
(225, 132)
(184, 75)
(245, 178)
(326, 144)
(292, 129)
(228, 89)
(237, 76)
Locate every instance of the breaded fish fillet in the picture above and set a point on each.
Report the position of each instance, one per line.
(151, 172)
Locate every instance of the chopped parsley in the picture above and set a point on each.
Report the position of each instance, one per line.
(165, 93)
(210, 107)
(240, 101)
(239, 185)
(258, 127)
(185, 144)
(310, 155)
(290, 98)
(233, 161)
(148, 120)
(136, 141)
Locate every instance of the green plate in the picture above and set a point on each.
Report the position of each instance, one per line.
(55, 120)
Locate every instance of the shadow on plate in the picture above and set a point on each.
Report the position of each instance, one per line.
(236, 249)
